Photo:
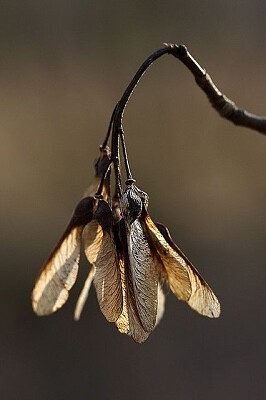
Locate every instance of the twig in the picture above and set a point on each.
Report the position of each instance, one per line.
(224, 106)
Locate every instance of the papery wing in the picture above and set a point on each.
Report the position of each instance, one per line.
(129, 321)
(144, 275)
(161, 304)
(122, 322)
(84, 294)
(175, 266)
(102, 253)
(60, 271)
(92, 236)
(107, 280)
(202, 298)
(58, 275)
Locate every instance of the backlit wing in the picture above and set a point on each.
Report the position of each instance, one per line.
(58, 275)
(92, 236)
(84, 294)
(60, 271)
(160, 306)
(129, 321)
(174, 265)
(184, 280)
(101, 252)
(107, 280)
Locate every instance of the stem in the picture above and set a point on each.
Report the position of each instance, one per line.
(115, 158)
(100, 188)
(108, 131)
(130, 179)
(119, 111)
(223, 105)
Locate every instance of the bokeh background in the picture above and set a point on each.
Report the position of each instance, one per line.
(64, 65)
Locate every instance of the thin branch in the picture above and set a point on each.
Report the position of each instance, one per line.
(119, 111)
(224, 106)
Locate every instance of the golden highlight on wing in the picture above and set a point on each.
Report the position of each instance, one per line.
(122, 323)
(100, 250)
(129, 321)
(107, 280)
(58, 274)
(84, 294)
(92, 236)
(200, 296)
(174, 265)
(160, 305)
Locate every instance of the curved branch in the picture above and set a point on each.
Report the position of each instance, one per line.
(224, 106)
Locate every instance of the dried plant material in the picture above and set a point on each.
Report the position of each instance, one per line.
(130, 256)
(60, 271)
(58, 276)
(84, 293)
(183, 278)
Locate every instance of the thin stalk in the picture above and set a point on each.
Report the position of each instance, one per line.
(104, 144)
(130, 178)
(119, 111)
(222, 104)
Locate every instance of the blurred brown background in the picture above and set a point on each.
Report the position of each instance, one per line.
(64, 64)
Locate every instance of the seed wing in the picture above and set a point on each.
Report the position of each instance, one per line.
(84, 293)
(129, 322)
(59, 273)
(160, 306)
(107, 280)
(144, 275)
(92, 236)
(174, 265)
(183, 278)
(101, 252)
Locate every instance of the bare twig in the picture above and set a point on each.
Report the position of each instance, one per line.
(224, 106)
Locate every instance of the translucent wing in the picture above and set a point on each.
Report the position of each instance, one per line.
(101, 252)
(60, 271)
(122, 322)
(175, 266)
(196, 292)
(84, 294)
(107, 280)
(202, 298)
(160, 306)
(92, 236)
(129, 321)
